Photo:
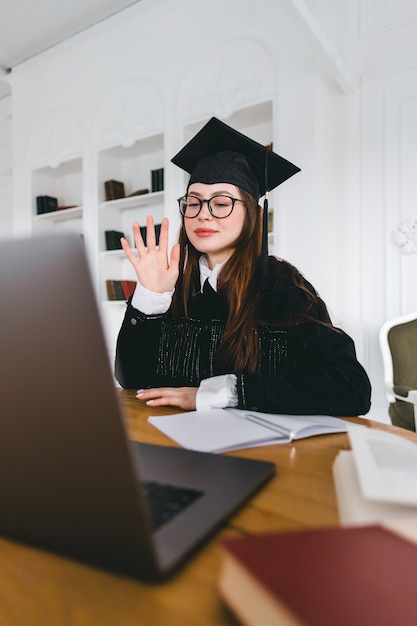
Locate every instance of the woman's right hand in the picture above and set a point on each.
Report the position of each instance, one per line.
(155, 271)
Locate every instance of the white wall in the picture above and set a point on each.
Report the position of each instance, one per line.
(6, 200)
(343, 79)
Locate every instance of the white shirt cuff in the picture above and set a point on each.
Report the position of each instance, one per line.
(151, 302)
(217, 392)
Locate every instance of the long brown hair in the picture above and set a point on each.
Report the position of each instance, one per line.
(237, 284)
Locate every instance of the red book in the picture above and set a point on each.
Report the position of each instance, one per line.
(128, 287)
(362, 575)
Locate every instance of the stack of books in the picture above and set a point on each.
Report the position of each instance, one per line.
(362, 572)
(120, 289)
(376, 481)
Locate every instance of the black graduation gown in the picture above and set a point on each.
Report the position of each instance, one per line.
(305, 368)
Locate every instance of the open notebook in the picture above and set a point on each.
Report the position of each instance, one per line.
(70, 480)
(220, 430)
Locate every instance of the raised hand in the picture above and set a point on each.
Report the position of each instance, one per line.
(155, 271)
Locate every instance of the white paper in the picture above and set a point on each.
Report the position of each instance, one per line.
(220, 430)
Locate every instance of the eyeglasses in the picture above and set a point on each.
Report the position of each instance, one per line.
(219, 206)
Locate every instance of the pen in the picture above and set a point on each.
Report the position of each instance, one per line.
(264, 422)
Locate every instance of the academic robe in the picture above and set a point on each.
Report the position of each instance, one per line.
(305, 368)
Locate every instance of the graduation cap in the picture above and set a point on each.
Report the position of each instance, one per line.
(221, 154)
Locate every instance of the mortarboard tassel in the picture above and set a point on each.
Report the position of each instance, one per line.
(264, 252)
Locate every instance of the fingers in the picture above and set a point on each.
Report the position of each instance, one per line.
(151, 239)
(154, 396)
(174, 260)
(140, 246)
(127, 250)
(150, 233)
(175, 254)
(153, 268)
(163, 235)
(182, 397)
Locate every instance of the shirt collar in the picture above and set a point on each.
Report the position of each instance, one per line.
(207, 273)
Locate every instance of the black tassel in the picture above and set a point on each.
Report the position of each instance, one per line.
(264, 253)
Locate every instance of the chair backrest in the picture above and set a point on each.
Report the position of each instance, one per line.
(398, 341)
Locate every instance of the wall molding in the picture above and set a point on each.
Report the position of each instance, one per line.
(377, 17)
(225, 78)
(133, 109)
(321, 45)
(56, 138)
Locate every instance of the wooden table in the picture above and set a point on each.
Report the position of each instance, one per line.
(42, 589)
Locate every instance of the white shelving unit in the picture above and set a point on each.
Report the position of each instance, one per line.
(132, 165)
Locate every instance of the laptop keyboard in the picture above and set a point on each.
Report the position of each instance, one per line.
(166, 501)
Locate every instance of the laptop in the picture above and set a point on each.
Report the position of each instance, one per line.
(71, 481)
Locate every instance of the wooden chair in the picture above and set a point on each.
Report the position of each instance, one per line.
(398, 341)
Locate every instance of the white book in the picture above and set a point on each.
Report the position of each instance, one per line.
(386, 465)
(221, 430)
(353, 507)
(376, 482)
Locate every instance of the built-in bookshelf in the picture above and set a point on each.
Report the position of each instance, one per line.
(135, 169)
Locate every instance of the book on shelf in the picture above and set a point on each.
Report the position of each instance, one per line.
(64, 207)
(376, 480)
(139, 192)
(157, 233)
(128, 287)
(114, 290)
(114, 190)
(321, 577)
(157, 179)
(113, 239)
(221, 430)
(120, 289)
(46, 204)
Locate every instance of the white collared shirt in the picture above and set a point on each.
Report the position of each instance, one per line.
(207, 274)
(215, 392)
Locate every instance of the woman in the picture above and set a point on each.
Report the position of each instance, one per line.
(219, 323)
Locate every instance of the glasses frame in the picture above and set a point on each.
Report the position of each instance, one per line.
(202, 201)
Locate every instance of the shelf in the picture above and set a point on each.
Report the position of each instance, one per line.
(147, 199)
(133, 167)
(112, 253)
(116, 254)
(64, 183)
(59, 216)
